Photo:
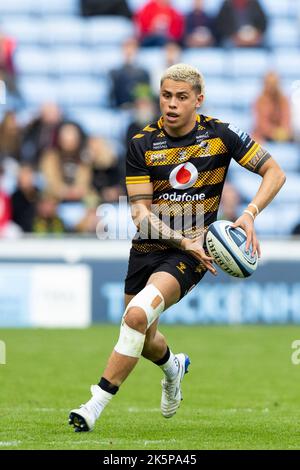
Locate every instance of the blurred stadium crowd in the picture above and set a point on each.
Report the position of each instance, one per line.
(82, 77)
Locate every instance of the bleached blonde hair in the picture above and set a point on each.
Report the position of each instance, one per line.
(185, 73)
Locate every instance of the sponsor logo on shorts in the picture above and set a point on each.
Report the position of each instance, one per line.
(181, 267)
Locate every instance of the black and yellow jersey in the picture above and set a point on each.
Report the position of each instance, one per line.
(188, 172)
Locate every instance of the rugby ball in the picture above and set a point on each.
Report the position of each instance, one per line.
(227, 246)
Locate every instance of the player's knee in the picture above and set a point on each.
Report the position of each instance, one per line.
(136, 319)
(144, 309)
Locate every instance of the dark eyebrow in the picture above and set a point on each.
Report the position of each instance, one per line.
(177, 93)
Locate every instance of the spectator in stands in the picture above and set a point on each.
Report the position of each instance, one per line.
(24, 199)
(7, 69)
(105, 7)
(158, 22)
(125, 79)
(105, 171)
(295, 109)
(241, 23)
(46, 220)
(272, 112)
(171, 55)
(229, 207)
(88, 224)
(8, 229)
(41, 133)
(10, 144)
(145, 111)
(10, 137)
(198, 27)
(296, 230)
(65, 167)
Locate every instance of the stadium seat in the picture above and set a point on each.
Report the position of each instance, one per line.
(219, 92)
(33, 60)
(287, 155)
(279, 8)
(83, 91)
(58, 7)
(283, 33)
(269, 223)
(72, 60)
(71, 213)
(210, 62)
(245, 93)
(241, 119)
(150, 58)
(105, 59)
(108, 30)
(24, 28)
(212, 6)
(248, 63)
(104, 122)
(63, 30)
(247, 186)
(184, 6)
(18, 7)
(287, 62)
(36, 91)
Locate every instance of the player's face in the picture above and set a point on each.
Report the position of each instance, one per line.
(178, 104)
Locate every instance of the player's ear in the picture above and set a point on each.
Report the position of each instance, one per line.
(200, 99)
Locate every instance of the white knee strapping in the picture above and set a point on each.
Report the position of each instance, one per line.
(131, 341)
(151, 301)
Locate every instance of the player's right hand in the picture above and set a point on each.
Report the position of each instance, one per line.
(195, 248)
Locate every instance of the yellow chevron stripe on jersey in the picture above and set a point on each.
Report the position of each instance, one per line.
(160, 123)
(137, 179)
(251, 152)
(149, 129)
(205, 178)
(174, 155)
(138, 136)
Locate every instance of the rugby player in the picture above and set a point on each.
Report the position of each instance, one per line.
(174, 166)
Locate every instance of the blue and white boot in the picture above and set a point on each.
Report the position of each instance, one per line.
(171, 389)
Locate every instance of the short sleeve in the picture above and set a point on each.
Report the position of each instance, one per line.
(245, 151)
(137, 171)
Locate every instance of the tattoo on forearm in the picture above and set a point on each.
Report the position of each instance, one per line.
(258, 160)
(138, 197)
(151, 227)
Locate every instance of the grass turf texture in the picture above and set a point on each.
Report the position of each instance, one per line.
(242, 391)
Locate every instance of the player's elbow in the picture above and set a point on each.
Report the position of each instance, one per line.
(281, 178)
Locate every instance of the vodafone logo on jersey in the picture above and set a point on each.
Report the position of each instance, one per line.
(183, 176)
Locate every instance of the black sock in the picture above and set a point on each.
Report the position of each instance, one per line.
(107, 386)
(164, 359)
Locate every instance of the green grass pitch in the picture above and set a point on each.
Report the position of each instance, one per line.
(242, 391)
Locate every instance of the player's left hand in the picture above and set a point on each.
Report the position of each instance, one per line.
(246, 222)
